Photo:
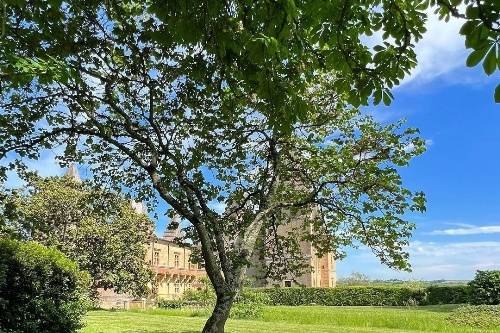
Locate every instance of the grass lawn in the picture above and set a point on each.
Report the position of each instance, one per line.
(282, 319)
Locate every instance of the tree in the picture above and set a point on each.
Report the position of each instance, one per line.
(335, 160)
(250, 105)
(355, 279)
(96, 228)
(7, 213)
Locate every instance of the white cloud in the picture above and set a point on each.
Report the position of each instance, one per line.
(430, 261)
(410, 147)
(468, 230)
(219, 207)
(440, 51)
(453, 260)
(433, 249)
(459, 224)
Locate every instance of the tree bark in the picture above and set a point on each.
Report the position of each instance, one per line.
(216, 322)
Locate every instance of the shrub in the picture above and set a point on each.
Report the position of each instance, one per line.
(247, 311)
(40, 289)
(249, 304)
(170, 303)
(447, 295)
(203, 297)
(485, 288)
(481, 316)
(249, 296)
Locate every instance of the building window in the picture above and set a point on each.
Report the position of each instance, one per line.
(288, 283)
(177, 288)
(176, 260)
(156, 258)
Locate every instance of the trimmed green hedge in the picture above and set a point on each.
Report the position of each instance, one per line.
(40, 289)
(447, 295)
(249, 304)
(351, 296)
(367, 296)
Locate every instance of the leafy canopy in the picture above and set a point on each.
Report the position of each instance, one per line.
(263, 50)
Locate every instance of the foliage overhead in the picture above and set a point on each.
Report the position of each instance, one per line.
(264, 50)
(96, 228)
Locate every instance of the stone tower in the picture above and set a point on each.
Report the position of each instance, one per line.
(323, 269)
(73, 173)
(138, 207)
(173, 229)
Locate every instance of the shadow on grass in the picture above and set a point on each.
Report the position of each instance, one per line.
(159, 331)
(439, 308)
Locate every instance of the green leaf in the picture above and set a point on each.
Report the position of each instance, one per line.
(377, 97)
(475, 57)
(468, 27)
(386, 98)
(472, 12)
(490, 62)
(497, 94)
(498, 57)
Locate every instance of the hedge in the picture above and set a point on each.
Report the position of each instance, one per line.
(367, 296)
(40, 289)
(351, 296)
(447, 295)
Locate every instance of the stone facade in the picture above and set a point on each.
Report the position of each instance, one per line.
(171, 263)
(323, 268)
(174, 274)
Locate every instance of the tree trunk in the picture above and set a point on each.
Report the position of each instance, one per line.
(216, 322)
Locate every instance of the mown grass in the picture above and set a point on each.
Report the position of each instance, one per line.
(281, 319)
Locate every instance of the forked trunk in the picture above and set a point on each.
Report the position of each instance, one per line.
(217, 321)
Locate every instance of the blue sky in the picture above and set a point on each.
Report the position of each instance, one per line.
(460, 172)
